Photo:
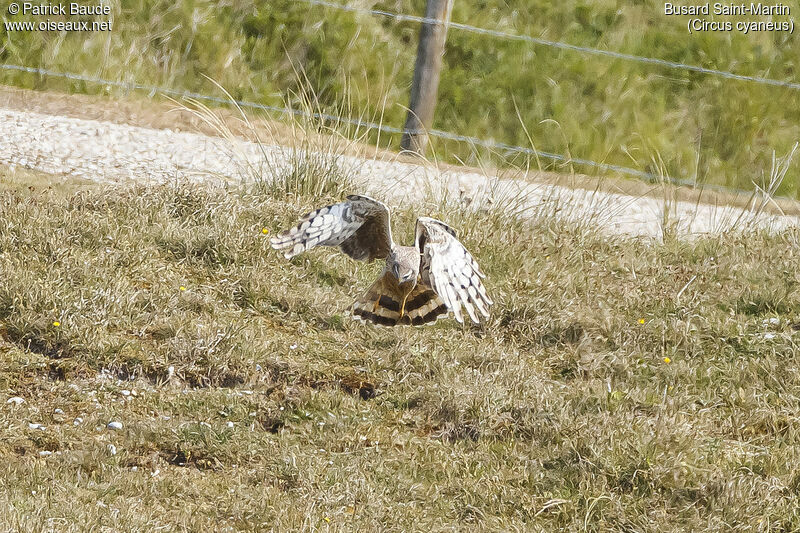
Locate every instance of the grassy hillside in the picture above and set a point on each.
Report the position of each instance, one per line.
(619, 385)
(646, 117)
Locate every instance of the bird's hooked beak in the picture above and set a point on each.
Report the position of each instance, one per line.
(407, 277)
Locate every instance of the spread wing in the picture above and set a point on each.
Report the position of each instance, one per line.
(451, 270)
(359, 226)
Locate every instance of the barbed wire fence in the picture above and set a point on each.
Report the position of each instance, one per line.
(505, 148)
(555, 44)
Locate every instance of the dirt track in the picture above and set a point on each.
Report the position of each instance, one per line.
(105, 151)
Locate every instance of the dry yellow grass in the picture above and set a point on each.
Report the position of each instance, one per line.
(620, 384)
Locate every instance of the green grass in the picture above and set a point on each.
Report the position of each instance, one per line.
(561, 413)
(659, 120)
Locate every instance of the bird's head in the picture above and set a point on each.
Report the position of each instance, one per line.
(403, 273)
(404, 265)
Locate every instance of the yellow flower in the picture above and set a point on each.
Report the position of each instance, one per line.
(264, 231)
(182, 288)
(327, 519)
(641, 321)
(56, 323)
(667, 360)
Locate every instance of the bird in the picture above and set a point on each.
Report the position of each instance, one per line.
(418, 285)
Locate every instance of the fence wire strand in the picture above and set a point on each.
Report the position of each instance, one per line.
(504, 148)
(557, 44)
(446, 135)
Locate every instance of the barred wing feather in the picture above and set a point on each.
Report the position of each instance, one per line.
(359, 226)
(451, 270)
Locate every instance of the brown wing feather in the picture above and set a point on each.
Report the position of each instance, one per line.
(373, 240)
(359, 226)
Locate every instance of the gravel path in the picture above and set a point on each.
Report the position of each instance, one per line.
(108, 152)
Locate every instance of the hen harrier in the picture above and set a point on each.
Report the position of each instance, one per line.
(418, 285)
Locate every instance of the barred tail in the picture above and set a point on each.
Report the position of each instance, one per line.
(381, 305)
(424, 306)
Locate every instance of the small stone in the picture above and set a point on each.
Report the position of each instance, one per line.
(112, 450)
(58, 411)
(36, 426)
(45, 453)
(114, 425)
(16, 400)
(78, 420)
(230, 424)
(125, 392)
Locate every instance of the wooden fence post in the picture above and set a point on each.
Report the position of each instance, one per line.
(427, 67)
